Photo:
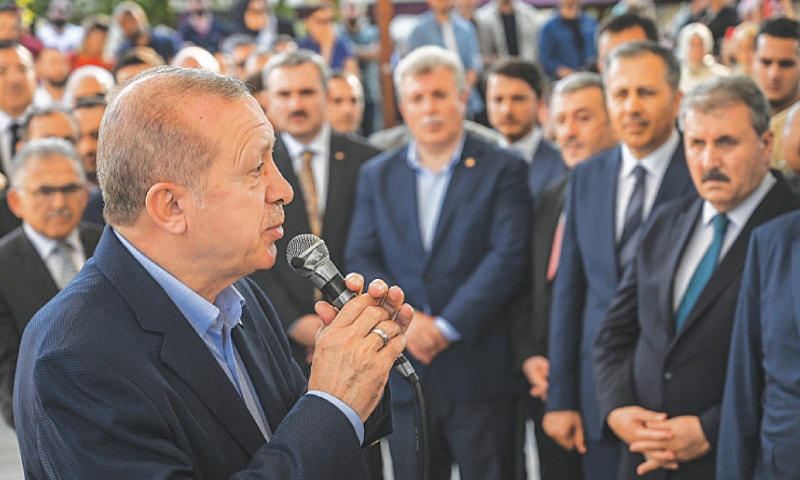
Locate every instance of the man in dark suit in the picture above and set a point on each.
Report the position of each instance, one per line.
(759, 425)
(447, 217)
(582, 128)
(159, 352)
(514, 102)
(662, 350)
(295, 84)
(611, 194)
(48, 193)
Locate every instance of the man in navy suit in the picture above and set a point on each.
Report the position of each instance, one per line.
(759, 425)
(582, 128)
(514, 102)
(611, 194)
(159, 360)
(662, 349)
(48, 194)
(446, 217)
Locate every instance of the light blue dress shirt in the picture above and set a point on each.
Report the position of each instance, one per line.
(204, 316)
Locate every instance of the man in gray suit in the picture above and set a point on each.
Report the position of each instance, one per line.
(48, 193)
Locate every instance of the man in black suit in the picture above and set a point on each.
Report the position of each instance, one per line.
(296, 85)
(582, 128)
(514, 101)
(48, 193)
(662, 350)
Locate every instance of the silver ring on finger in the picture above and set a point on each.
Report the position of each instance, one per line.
(377, 331)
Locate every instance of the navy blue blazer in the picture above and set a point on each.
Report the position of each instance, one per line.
(641, 360)
(759, 426)
(474, 267)
(588, 275)
(113, 382)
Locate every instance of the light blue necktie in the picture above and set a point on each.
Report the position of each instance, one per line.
(704, 270)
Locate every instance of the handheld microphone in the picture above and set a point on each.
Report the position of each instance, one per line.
(309, 257)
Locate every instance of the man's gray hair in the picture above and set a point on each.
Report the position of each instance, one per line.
(43, 149)
(578, 81)
(641, 47)
(724, 92)
(145, 137)
(424, 60)
(294, 59)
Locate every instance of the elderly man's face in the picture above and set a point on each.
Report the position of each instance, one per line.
(52, 199)
(243, 213)
(581, 124)
(17, 82)
(345, 107)
(433, 108)
(296, 100)
(727, 159)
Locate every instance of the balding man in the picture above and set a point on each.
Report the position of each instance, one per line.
(159, 351)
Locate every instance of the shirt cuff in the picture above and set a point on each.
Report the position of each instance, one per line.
(447, 329)
(351, 414)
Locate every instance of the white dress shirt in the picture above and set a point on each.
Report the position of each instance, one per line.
(319, 164)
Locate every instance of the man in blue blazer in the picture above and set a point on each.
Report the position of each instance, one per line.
(662, 349)
(513, 103)
(610, 196)
(446, 217)
(158, 360)
(759, 425)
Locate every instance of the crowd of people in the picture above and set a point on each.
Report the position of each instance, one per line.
(572, 207)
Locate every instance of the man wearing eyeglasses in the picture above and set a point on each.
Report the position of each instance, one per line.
(48, 193)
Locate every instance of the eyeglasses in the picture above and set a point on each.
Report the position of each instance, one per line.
(47, 191)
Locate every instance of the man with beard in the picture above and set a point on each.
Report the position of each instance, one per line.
(52, 70)
(776, 69)
(48, 193)
(58, 33)
(514, 102)
(89, 114)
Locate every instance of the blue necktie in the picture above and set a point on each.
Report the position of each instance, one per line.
(704, 270)
(629, 241)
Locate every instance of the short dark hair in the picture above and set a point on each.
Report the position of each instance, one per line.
(523, 70)
(780, 27)
(626, 21)
(90, 102)
(34, 112)
(640, 47)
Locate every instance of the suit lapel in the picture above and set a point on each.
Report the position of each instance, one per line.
(465, 174)
(795, 279)
(338, 171)
(183, 351)
(778, 200)
(676, 243)
(605, 226)
(296, 209)
(401, 200)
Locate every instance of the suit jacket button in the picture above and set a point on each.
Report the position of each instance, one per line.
(668, 376)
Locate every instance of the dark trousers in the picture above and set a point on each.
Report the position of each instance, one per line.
(478, 436)
(555, 463)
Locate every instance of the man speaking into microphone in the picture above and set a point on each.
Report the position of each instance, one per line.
(446, 217)
(159, 360)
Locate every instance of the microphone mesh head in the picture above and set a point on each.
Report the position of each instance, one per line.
(298, 245)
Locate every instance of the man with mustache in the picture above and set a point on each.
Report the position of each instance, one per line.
(446, 216)
(48, 193)
(662, 349)
(582, 128)
(321, 165)
(514, 102)
(160, 351)
(776, 69)
(611, 196)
